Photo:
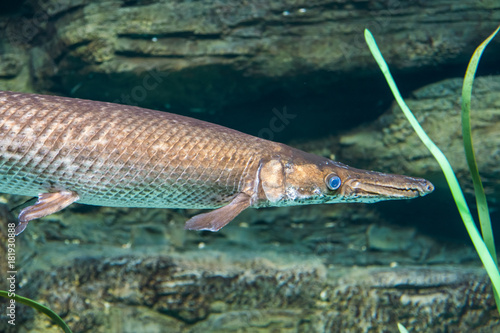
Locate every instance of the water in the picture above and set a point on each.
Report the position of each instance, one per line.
(297, 73)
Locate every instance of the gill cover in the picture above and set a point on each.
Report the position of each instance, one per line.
(272, 178)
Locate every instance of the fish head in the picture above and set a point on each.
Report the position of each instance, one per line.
(310, 179)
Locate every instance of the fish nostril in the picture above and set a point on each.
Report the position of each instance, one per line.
(428, 188)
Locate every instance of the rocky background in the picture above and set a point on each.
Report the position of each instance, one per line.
(337, 268)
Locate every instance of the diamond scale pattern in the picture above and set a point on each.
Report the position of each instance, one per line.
(125, 156)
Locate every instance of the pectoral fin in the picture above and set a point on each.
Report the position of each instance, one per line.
(48, 203)
(218, 218)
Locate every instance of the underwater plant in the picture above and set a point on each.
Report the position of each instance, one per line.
(402, 329)
(40, 307)
(485, 246)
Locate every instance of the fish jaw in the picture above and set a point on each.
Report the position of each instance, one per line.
(370, 186)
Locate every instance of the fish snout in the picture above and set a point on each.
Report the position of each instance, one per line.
(425, 187)
(371, 186)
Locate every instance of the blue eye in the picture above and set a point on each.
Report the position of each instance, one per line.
(333, 182)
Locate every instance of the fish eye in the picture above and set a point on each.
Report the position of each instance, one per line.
(333, 181)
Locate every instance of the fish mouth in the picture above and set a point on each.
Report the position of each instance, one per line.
(370, 186)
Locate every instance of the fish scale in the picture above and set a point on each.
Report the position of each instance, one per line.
(117, 155)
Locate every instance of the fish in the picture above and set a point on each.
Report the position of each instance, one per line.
(63, 150)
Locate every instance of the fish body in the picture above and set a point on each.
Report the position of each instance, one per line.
(65, 150)
(123, 156)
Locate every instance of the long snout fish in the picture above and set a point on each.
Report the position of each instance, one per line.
(65, 150)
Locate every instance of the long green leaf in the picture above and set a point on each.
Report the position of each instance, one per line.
(402, 329)
(40, 307)
(484, 255)
(482, 203)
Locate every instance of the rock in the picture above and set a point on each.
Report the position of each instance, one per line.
(285, 294)
(205, 55)
(14, 71)
(10, 66)
(386, 238)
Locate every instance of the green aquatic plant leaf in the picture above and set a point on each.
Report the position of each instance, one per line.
(40, 307)
(456, 191)
(402, 329)
(482, 203)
